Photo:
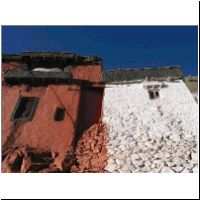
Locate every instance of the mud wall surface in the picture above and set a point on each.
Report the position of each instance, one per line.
(90, 72)
(9, 66)
(46, 145)
(151, 135)
(43, 132)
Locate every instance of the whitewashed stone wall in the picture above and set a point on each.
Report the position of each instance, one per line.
(195, 95)
(147, 135)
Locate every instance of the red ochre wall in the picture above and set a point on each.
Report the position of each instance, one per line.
(89, 72)
(9, 66)
(43, 132)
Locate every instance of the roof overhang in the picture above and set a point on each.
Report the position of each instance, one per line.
(24, 76)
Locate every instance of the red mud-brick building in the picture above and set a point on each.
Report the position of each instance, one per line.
(49, 99)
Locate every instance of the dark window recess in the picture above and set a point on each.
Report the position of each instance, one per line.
(153, 94)
(59, 114)
(157, 94)
(25, 109)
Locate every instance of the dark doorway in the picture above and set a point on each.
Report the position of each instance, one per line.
(90, 108)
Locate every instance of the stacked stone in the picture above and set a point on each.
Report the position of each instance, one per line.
(147, 135)
(91, 154)
(152, 154)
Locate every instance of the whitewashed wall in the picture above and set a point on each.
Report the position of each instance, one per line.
(151, 135)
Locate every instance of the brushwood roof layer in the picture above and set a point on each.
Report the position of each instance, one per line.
(51, 58)
(132, 74)
(62, 59)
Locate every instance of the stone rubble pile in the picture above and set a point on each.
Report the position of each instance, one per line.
(29, 160)
(152, 154)
(142, 151)
(151, 135)
(91, 154)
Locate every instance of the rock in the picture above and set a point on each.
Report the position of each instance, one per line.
(167, 155)
(121, 171)
(195, 169)
(157, 161)
(154, 144)
(7, 152)
(178, 169)
(26, 164)
(156, 170)
(128, 161)
(119, 162)
(103, 157)
(153, 166)
(170, 163)
(64, 161)
(13, 161)
(175, 138)
(91, 152)
(160, 155)
(135, 157)
(166, 169)
(111, 168)
(147, 163)
(194, 156)
(139, 163)
(132, 144)
(145, 156)
(186, 171)
(95, 162)
(146, 169)
(110, 161)
(190, 165)
(178, 161)
(149, 145)
(126, 168)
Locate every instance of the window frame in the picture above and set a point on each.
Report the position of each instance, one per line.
(153, 94)
(32, 112)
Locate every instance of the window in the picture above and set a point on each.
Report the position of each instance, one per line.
(156, 94)
(59, 114)
(25, 109)
(153, 94)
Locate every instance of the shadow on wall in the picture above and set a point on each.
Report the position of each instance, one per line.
(89, 109)
(65, 110)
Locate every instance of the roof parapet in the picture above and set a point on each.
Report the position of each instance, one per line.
(139, 75)
(51, 59)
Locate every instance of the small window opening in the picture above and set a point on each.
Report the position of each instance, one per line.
(153, 94)
(25, 108)
(157, 94)
(59, 114)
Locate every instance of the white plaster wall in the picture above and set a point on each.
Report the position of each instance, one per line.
(195, 95)
(151, 135)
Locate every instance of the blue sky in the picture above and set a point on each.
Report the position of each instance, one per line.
(118, 46)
